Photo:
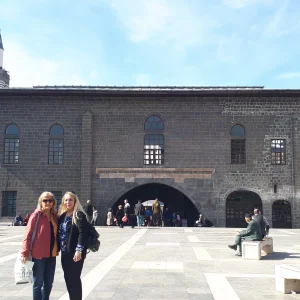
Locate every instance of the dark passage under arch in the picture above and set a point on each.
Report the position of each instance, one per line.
(173, 199)
(281, 214)
(239, 203)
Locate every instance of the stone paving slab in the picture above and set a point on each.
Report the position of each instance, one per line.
(163, 263)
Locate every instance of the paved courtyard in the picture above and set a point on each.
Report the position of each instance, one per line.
(163, 263)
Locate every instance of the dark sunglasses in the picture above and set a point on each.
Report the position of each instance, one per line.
(47, 200)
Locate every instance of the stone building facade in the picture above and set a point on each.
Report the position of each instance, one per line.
(223, 150)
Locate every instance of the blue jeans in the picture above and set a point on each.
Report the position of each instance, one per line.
(139, 220)
(43, 276)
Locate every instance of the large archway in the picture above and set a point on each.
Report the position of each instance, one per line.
(281, 214)
(173, 199)
(239, 203)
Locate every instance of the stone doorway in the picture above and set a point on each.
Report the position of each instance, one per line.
(173, 199)
(281, 214)
(239, 203)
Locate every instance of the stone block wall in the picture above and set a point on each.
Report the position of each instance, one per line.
(111, 135)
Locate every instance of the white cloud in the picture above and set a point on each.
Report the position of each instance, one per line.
(164, 23)
(27, 70)
(142, 80)
(289, 75)
(237, 4)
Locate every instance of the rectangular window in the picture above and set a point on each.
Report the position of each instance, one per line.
(238, 151)
(58, 196)
(9, 200)
(56, 152)
(153, 149)
(278, 152)
(11, 151)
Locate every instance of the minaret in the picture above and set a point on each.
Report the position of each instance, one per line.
(4, 76)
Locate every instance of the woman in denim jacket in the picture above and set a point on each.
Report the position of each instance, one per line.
(73, 234)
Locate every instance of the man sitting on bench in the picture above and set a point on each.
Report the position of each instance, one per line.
(251, 233)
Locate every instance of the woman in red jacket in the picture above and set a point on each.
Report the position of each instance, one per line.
(44, 246)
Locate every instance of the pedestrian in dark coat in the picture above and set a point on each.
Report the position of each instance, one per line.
(120, 215)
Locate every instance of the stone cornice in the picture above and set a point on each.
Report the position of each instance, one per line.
(178, 174)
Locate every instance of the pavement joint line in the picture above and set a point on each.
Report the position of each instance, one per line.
(165, 233)
(161, 244)
(286, 231)
(93, 277)
(220, 287)
(193, 239)
(8, 257)
(11, 238)
(201, 253)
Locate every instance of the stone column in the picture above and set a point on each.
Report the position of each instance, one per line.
(86, 157)
(296, 171)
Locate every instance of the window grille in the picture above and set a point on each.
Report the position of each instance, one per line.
(11, 144)
(56, 145)
(153, 149)
(278, 152)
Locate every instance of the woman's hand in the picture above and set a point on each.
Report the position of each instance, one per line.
(77, 256)
(23, 259)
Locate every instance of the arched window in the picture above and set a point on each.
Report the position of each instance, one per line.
(238, 144)
(154, 123)
(237, 131)
(11, 144)
(153, 149)
(56, 145)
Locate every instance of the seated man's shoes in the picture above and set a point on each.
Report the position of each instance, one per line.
(233, 247)
(239, 254)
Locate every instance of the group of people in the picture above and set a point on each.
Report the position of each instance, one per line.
(19, 221)
(49, 232)
(258, 228)
(142, 215)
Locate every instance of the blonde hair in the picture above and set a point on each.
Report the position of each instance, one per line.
(41, 198)
(77, 207)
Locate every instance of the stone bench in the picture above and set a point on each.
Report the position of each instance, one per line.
(252, 249)
(287, 278)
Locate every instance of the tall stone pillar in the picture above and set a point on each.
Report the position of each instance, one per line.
(86, 157)
(296, 171)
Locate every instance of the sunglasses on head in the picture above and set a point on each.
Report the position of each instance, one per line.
(47, 200)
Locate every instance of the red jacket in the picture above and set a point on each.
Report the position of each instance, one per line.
(41, 243)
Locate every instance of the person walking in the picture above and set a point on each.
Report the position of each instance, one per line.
(44, 246)
(167, 217)
(139, 213)
(120, 215)
(156, 217)
(128, 212)
(73, 234)
(110, 218)
(147, 216)
(89, 211)
(95, 216)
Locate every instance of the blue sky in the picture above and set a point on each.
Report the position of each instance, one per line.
(152, 42)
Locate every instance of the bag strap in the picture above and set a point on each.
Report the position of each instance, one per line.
(34, 231)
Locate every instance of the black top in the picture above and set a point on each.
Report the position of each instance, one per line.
(76, 234)
(89, 209)
(119, 213)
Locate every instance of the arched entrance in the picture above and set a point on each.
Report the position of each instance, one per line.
(173, 199)
(281, 214)
(239, 203)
